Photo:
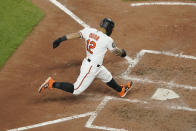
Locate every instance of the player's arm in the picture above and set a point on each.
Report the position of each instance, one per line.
(73, 35)
(57, 42)
(119, 52)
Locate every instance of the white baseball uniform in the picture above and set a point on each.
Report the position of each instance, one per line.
(96, 44)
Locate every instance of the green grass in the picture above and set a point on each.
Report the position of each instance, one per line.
(17, 19)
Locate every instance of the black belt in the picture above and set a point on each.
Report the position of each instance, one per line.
(89, 60)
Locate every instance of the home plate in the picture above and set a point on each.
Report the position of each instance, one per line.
(164, 94)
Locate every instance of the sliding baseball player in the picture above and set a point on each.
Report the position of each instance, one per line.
(97, 42)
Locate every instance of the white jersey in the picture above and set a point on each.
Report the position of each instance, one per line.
(96, 44)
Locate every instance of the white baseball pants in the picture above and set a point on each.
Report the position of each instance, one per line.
(88, 72)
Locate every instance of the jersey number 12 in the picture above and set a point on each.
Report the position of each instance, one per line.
(90, 45)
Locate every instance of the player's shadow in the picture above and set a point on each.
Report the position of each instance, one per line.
(67, 65)
(62, 98)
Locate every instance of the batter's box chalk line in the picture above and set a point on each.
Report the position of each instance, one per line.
(133, 62)
(94, 114)
(163, 3)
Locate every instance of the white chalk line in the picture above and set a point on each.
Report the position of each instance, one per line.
(168, 84)
(52, 122)
(163, 3)
(170, 54)
(182, 108)
(101, 106)
(93, 117)
(94, 114)
(67, 11)
(177, 107)
(133, 62)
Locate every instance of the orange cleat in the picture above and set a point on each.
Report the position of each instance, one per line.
(125, 89)
(47, 84)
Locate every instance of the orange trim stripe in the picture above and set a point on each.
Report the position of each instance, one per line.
(83, 78)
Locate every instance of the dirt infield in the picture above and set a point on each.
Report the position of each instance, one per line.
(153, 28)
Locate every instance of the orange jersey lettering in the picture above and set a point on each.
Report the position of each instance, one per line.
(94, 36)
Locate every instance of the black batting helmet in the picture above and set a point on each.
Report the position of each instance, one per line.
(108, 25)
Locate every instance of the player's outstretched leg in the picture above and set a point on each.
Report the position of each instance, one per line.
(65, 86)
(113, 84)
(50, 83)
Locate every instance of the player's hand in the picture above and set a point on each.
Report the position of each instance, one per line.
(123, 53)
(57, 42)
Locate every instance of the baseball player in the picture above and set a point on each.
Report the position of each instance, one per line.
(97, 42)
